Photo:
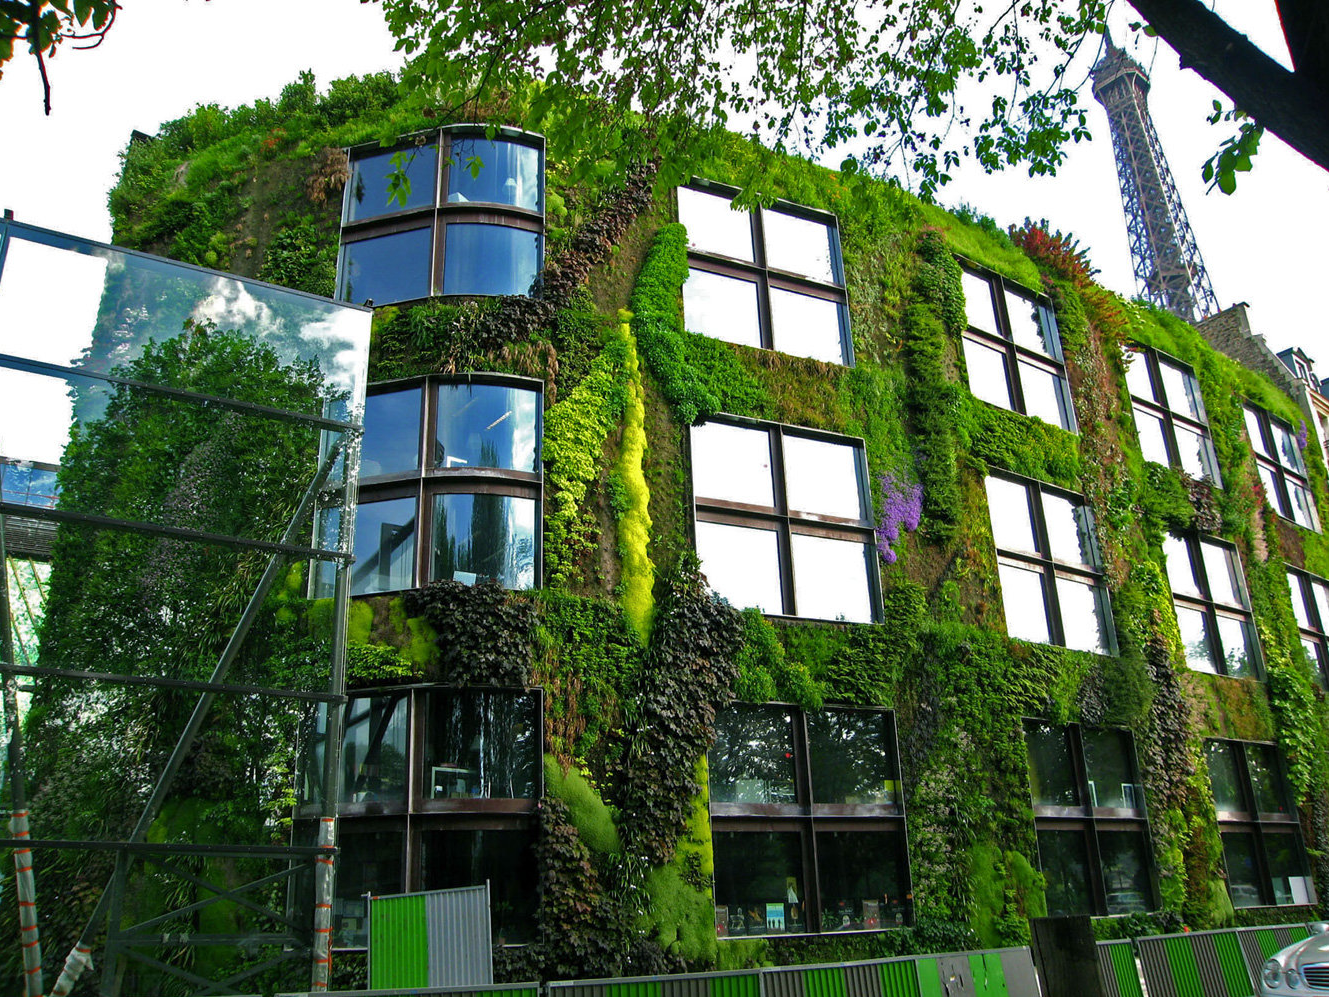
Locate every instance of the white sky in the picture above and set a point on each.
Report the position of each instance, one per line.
(1261, 245)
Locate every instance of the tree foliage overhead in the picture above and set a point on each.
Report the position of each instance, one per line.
(42, 25)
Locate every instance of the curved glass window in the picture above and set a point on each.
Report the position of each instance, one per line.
(494, 172)
(483, 538)
(486, 425)
(391, 442)
(386, 268)
(367, 190)
(489, 259)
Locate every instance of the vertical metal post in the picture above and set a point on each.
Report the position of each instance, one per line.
(324, 878)
(113, 966)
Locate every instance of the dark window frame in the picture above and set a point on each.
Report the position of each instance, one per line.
(1013, 353)
(1051, 569)
(1285, 479)
(779, 520)
(765, 277)
(437, 215)
(1301, 584)
(1170, 413)
(807, 818)
(1206, 604)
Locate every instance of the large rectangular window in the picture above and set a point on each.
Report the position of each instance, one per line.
(1012, 350)
(1052, 585)
(1282, 469)
(770, 278)
(1169, 413)
(1089, 813)
(1310, 604)
(807, 821)
(1213, 608)
(1266, 863)
(782, 520)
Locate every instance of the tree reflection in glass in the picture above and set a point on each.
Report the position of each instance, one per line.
(487, 425)
(1051, 767)
(852, 758)
(752, 760)
(374, 750)
(1064, 861)
(481, 744)
(484, 537)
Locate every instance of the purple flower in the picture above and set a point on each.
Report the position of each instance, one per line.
(1303, 435)
(901, 506)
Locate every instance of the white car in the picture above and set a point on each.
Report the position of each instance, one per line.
(1302, 968)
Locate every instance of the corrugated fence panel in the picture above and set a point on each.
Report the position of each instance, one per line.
(862, 979)
(460, 953)
(686, 986)
(1185, 970)
(1157, 971)
(1233, 964)
(398, 942)
(735, 985)
(929, 979)
(899, 978)
(1121, 977)
(635, 988)
(824, 981)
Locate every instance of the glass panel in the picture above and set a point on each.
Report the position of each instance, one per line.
(1068, 535)
(1225, 777)
(721, 307)
(487, 425)
(1194, 627)
(481, 745)
(1254, 432)
(1181, 390)
(1320, 592)
(374, 750)
(1153, 435)
(392, 433)
(830, 578)
(852, 758)
(1082, 615)
(1024, 602)
(1052, 767)
(1220, 568)
(1289, 454)
(759, 883)
(752, 760)
(1269, 479)
(1065, 864)
(862, 880)
(25, 483)
(484, 538)
(1287, 869)
(368, 186)
(732, 463)
(1303, 506)
(714, 226)
(1266, 779)
(366, 863)
(978, 308)
(1042, 395)
(805, 326)
(1180, 574)
(799, 245)
(504, 859)
(489, 259)
(1110, 763)
(384, 546)
(387, 268)
(1027, 324)
(1012, 518)
(1238, 643)
(1243, 871)
(1299, 607)
(1196, 453)
(987, 373)
(1137, 376)
(742, 565)
(821, 478)
(510, 173)
(1125, 857)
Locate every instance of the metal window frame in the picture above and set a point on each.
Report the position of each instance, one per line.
(1170, 414)
(1212, 609)
(1301, 583)
(1285, 479)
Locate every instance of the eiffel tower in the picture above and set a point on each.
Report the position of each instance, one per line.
(1168, 268)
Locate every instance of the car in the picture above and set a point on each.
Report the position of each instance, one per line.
(1302, 968)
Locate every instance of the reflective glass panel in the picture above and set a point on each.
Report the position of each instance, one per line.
(830, 578)
(1220, 568)
(1270, 482)
(1195, 452)
(1137, 376)
(721, 307)
(1111, 767)
(509, 173)
(504, 859)
(392, 433)
(1024, 602)
(804, 326)
(1042, 395)
(732, 463)
(752, 760)
(1082, 615)
(1299, 609)
(1194, 629)
(27, 484)
(1225, 777)
(1238, 647)
(988, 378)
(1180, 574)
(1052, 767)
(714, 226)
(387, 268)
(1153, 435)
(1254, 432)
(1027, 324)
(487, 425)
(1125, 857)
(759, 883)
(1243, 871)
(799, 245)
(1012, 518)
(366, 863)
(484, 537)
(1068, 533)
(481, 745)
(852, 758)
(1183, 394)
(1266, 779)
(1289, 454)
(821, 478)
(1287, 868)
(1320, 595)
(489, 259)
(1065, 864)
(862, 880)
(384, 546)
(367, 190)
(742, 565)
(1303, 506)
(978, 308)
(374, 750)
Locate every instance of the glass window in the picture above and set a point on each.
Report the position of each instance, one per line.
(759, 883)
(384, 546)
(1052, 767)
(1109, 759)
(989, 378)
(1025, 601)
(391, 442)
(374, 750)
(505, 859)
(28, 483)
(481, 745)
(713, 225)
(1012, 519)
(806, 326)
(367, 862)
(1125, 859)
(1063, 858)
(801, 246)
(1282, 469)
(752, 760)
(507, 173)
(367, 190)
(852, 758)
(722, 307)
(1171, 423)
(862, 880)
(796, 543)
(486, 425)
(1027, 330)
(489, 259)
(387, 268)
(1310, 604)
(1213, 613)
(484, 537)
(978, 308)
